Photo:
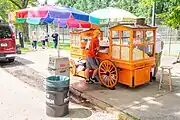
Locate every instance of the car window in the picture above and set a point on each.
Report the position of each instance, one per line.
(5, 32)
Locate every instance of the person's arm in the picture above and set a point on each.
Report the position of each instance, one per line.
(32, 37)
(97, 46)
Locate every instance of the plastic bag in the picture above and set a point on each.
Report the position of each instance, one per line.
(57, 81)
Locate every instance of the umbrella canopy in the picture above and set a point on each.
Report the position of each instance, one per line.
(49, 13)
(72, 23)
(113, 14)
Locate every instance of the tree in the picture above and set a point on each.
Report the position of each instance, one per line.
(172, 16)
(167, 11)
(5, 8)
(19, 4)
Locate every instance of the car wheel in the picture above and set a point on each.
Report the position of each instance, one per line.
(11, 59)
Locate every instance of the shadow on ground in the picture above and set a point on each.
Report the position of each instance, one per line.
(18, 62)
(79, 113)
(83, 86)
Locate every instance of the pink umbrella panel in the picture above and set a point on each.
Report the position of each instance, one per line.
(62, 16)
(72, 23)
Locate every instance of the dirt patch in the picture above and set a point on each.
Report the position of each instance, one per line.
(24, 73)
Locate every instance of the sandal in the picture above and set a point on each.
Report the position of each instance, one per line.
(89, 81)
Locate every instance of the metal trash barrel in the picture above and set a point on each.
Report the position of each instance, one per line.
(57, 96)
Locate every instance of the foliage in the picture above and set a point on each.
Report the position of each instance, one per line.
(166, 10)
(134, 6)
(172, 16)
(5, 8)
(23, 3)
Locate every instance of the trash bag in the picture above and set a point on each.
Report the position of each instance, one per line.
(18, 49)
(57, 81)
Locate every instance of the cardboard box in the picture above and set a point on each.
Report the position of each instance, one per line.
(58, 62)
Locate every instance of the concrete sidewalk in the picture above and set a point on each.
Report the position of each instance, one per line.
(145, 102)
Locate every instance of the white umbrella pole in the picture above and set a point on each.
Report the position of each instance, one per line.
(59, 38)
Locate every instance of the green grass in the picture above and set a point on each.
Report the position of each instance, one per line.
(50, 44)
(27, 43)
(17, 41)
(65, 46)
(25, 50)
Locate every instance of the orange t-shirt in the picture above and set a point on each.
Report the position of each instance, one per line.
(94, 44)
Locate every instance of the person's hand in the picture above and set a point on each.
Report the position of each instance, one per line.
(97, 51)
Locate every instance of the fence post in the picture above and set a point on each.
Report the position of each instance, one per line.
(170, 41)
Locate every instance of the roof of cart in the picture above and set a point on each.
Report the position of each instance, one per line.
(134, 26)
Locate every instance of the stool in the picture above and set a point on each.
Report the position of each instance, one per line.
(169, 76)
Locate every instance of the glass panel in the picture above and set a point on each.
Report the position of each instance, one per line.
(149, 37)
(75, 40)
(138, 52)
(5, 32)
(121, 53)
(124, 53)
(148, 51)
(125, 37)
(116, 52)
(138, 37)
(72, 40)
(115, 37)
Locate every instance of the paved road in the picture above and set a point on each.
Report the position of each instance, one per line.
(23, 97)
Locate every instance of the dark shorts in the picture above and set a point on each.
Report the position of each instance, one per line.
(34, 44)
(92, 62)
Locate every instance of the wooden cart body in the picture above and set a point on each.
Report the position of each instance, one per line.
(120, 63)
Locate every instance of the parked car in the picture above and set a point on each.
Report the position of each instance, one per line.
(7, 43)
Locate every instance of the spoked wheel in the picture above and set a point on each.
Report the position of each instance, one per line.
(72, 67)
(108, 74)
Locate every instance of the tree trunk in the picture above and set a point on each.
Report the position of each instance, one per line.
(25, 32)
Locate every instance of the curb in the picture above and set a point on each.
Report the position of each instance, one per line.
(101, 104)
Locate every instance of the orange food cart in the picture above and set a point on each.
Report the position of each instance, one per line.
(129, 58)
(78, 42)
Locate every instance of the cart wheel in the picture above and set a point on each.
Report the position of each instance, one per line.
(108, 74)
(72, 67)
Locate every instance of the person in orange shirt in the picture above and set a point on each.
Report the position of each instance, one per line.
(91, 61)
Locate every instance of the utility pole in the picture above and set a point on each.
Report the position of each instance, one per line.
(45, 2)
(46, 23)
(154, 14)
